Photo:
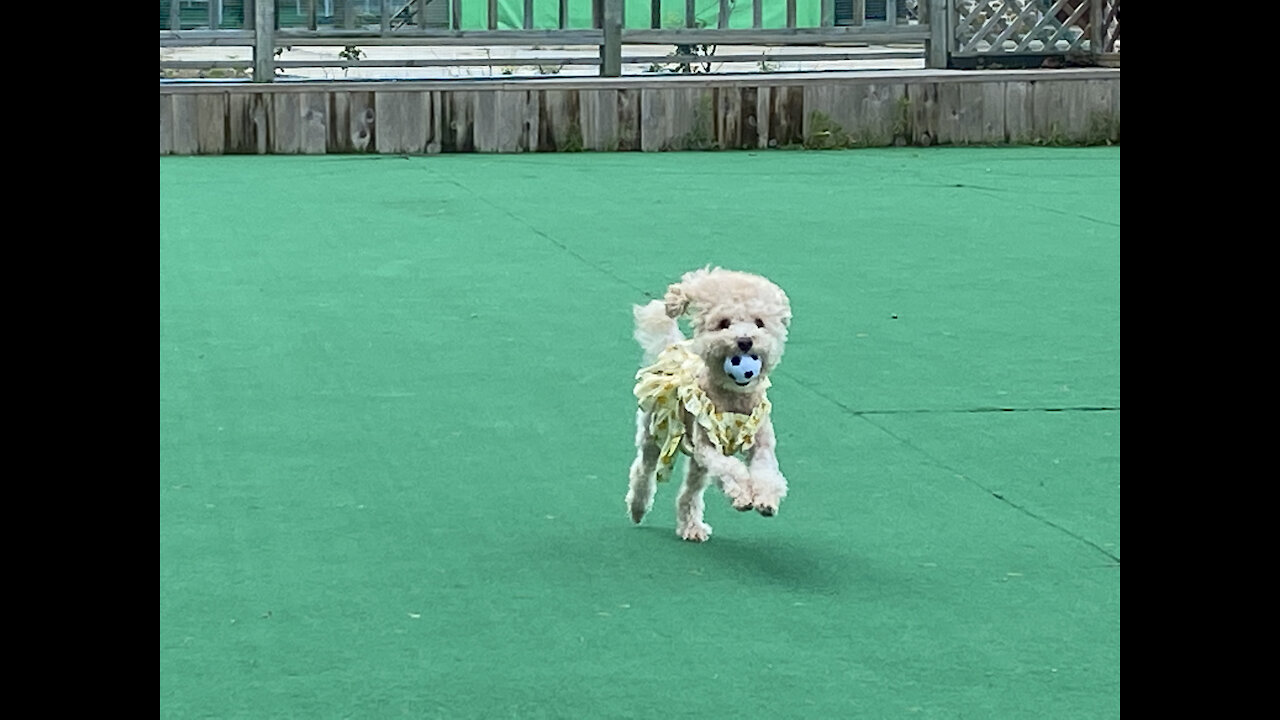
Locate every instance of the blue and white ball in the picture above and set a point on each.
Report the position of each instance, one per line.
(742, 368)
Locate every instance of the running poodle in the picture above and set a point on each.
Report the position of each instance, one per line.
(705, 395)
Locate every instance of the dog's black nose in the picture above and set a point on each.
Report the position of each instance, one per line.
(744, 344)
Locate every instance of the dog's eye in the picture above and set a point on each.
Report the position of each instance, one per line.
(723, 324)
(759, 323)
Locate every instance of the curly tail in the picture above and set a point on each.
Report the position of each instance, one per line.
(655, 330)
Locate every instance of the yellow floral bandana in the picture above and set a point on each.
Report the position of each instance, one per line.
(668, 387)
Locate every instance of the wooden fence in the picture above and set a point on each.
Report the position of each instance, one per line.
(651, 112)
(810, 110)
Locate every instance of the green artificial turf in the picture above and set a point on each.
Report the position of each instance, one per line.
(396, 420)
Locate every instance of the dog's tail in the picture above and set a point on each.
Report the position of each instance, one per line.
(655, 330)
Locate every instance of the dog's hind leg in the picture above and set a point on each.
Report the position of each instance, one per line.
(642, 486)
(689, 504)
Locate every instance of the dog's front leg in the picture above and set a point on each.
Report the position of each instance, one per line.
(767, 482)
(730, 473)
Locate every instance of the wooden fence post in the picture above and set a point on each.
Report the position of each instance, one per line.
(1096, 14)
(938, 49)
(611, 50)
(264, 41)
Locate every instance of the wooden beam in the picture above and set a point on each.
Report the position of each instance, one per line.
(707, 80)
(938, 46)
(643, 36)
(419, 38)
(206, 38)
(611, 49)
(527, 61)
(1095, 27)
(778, 36)
(264, 45)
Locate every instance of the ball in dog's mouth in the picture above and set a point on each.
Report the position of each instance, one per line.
(742, 368)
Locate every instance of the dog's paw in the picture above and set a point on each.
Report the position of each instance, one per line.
(694, 532)
(767, 508)
(739, 497)
(637, 507)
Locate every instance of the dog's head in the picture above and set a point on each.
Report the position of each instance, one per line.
(732, 313)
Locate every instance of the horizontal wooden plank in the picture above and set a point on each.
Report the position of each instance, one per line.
(795, 79)
(546, 60)
(778, 36)
(588, 36)
(205, 38)
(305, 38)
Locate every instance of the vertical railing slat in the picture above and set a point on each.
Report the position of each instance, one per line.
(757, 14)
(690, 14)
(528, 14)
(493, 15)
(564, 14)
(386, 15)
(312, 15)
(722, 21)
(455, 22)
(791, 13)
(828, 13)
(175, 15)
(655, 14)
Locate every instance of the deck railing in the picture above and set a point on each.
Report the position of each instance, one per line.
(943, 33)
(407, 23)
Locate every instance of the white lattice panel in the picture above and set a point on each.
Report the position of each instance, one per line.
(1048, 27)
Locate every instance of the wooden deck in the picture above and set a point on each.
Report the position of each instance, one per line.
(648, 113)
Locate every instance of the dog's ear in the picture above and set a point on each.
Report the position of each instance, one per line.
(676, 300)
(786, 308)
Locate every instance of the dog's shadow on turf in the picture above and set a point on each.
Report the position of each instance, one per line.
(808, 566)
